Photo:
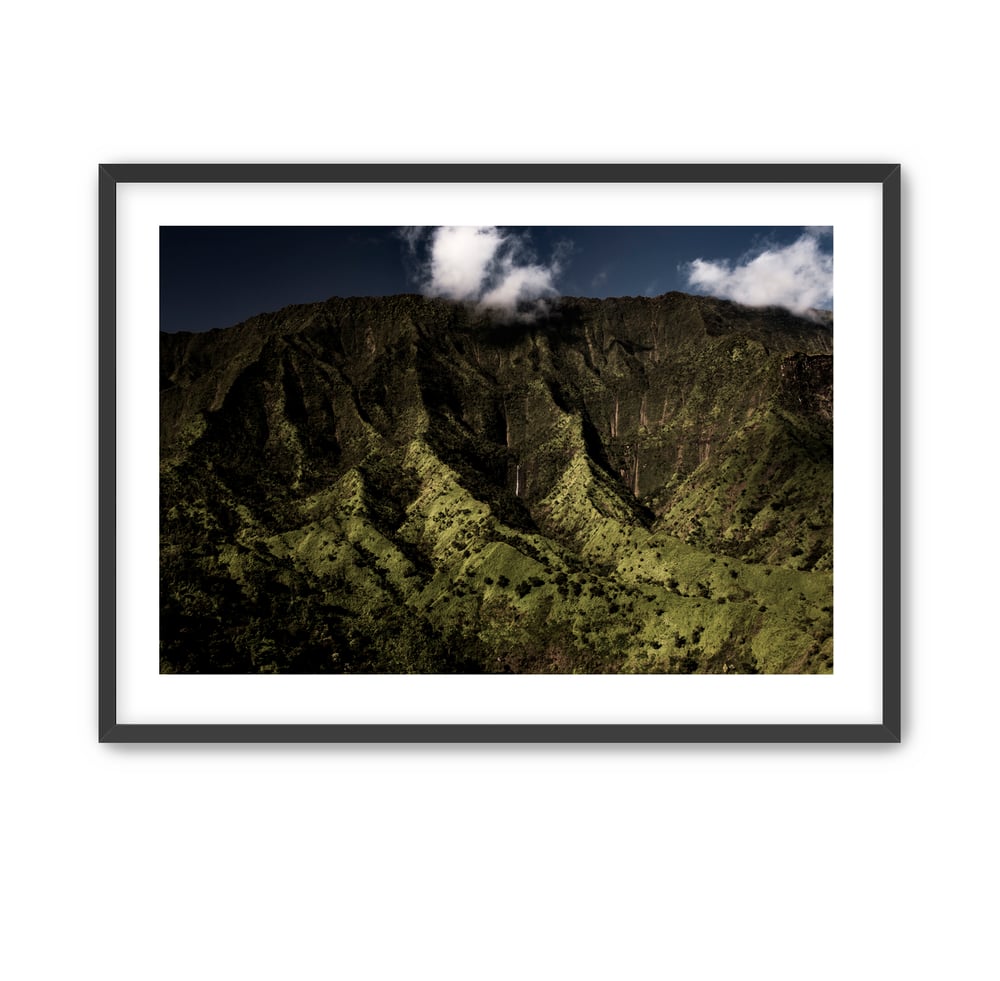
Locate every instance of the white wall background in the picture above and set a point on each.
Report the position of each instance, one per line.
(318, 862)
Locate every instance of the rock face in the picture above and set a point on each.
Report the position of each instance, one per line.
(402, 484)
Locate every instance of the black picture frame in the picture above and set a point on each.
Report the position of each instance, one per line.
(887, 730)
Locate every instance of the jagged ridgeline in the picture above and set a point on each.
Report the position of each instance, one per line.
(402, 484)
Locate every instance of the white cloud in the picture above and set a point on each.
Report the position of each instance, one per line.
(519, 284)
(485, 265)
(798, 276)
(411, 236)
(461, 258)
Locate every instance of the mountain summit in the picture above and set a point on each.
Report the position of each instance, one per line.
(404, 484)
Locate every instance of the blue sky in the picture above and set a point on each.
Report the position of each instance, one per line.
(216, 276)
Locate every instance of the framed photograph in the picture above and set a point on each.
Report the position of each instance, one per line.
(499, 453)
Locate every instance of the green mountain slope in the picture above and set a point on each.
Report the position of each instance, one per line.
(401, 484)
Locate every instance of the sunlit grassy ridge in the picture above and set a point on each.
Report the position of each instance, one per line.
(407, 485)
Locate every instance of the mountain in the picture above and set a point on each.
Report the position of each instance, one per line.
(403, 484)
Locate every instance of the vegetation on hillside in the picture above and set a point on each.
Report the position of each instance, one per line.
(408, 485)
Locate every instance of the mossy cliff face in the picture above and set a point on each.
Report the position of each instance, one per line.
(401, 484)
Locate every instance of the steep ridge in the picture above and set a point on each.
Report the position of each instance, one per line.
(405, 484)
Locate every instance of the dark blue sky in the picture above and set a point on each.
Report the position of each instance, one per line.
(214, 276)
